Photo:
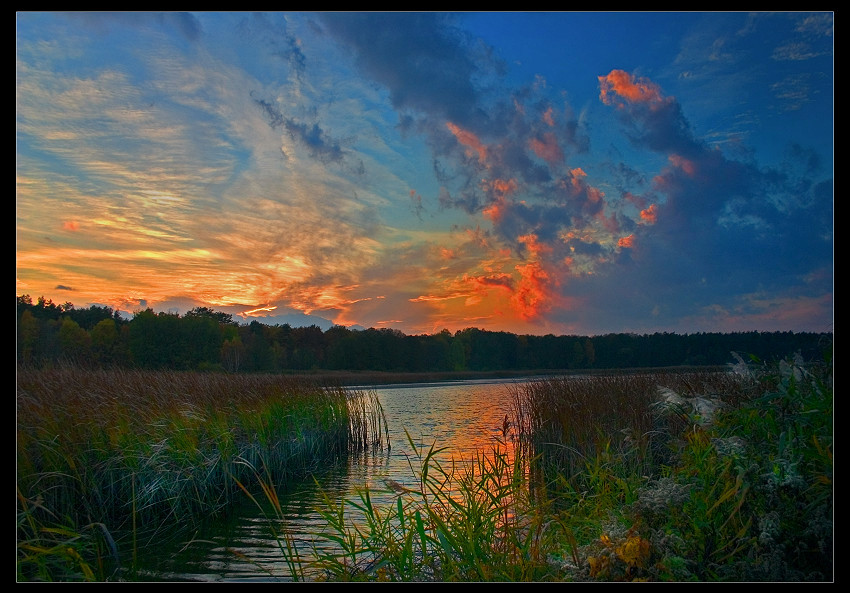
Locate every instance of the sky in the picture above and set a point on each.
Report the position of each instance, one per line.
(567, 173)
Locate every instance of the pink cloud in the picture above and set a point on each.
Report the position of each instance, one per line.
(547, 148)
(638, 201)
(470, 141)
(684, 164)
(635, 90)
(650, 215)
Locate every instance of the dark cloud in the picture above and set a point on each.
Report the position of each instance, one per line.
(319, 145)
(724, 227)
(717, 225)
(270, 31)
(483, 138)
(426, 64)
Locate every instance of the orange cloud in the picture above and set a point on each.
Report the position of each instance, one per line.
(498, 189)
(626, 86)
(530, 298)
(594, 195)
(576, 178)
(548, 117)
(491, 281)
(495, 211)
(446, 253)
(650, 215)
(547, 149)
(470, 140)
(504, 186)
(626, 241)
(535, 248)
(257, 310)
(71, 225)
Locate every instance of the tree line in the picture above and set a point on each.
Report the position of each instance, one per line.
(204, 339)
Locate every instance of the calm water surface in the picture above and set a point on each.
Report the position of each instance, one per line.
(464, 417)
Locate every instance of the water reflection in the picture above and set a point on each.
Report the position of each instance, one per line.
(464, 418)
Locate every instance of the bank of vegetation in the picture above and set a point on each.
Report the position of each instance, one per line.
(108, 461)
(673, 477)
(207, 340)
(653, 476)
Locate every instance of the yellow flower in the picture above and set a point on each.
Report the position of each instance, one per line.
(634, 551)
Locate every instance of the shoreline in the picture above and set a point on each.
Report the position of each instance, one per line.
(366, 379)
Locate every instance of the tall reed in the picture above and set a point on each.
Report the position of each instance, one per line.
(680, 477)
(465, 521)
(148, 451)
(569, 427)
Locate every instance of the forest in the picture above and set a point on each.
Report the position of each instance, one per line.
(204, 339)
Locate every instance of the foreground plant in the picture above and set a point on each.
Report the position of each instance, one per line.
(61, 552)
(749, 495)
(142, 452)
(465, 521)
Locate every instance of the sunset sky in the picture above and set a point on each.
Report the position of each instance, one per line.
(536, 173)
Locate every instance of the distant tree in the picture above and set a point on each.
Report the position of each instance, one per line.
(104, 340)
(219, 316)
(232, 352)
(589, 353)
(74, 341)
(88, 318)
(28, 338)
(202, 338)
(576, 355)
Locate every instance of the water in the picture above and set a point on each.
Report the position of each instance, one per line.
(464, 417)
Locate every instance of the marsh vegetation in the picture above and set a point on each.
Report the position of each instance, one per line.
(659, 476)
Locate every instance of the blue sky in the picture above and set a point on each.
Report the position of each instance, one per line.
(566, 173)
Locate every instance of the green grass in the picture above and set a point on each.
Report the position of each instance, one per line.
(142, 452)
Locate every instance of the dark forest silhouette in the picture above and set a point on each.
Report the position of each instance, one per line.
(204, 339)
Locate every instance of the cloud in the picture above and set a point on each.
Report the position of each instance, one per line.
(244, 159)
(426, 65)
(318, 144)
(720, 226)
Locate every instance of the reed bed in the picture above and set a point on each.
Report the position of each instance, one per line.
(138, 452)
(564, 422)
(686, 476)
(469, 521)
(656, 476)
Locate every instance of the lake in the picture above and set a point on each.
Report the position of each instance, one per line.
(464, 417)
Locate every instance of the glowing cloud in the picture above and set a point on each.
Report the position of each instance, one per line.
(686, 165)
(634, 90)
(531, 299)
(650, 215)
(627, 242)
(473, 145)
(257, 310)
